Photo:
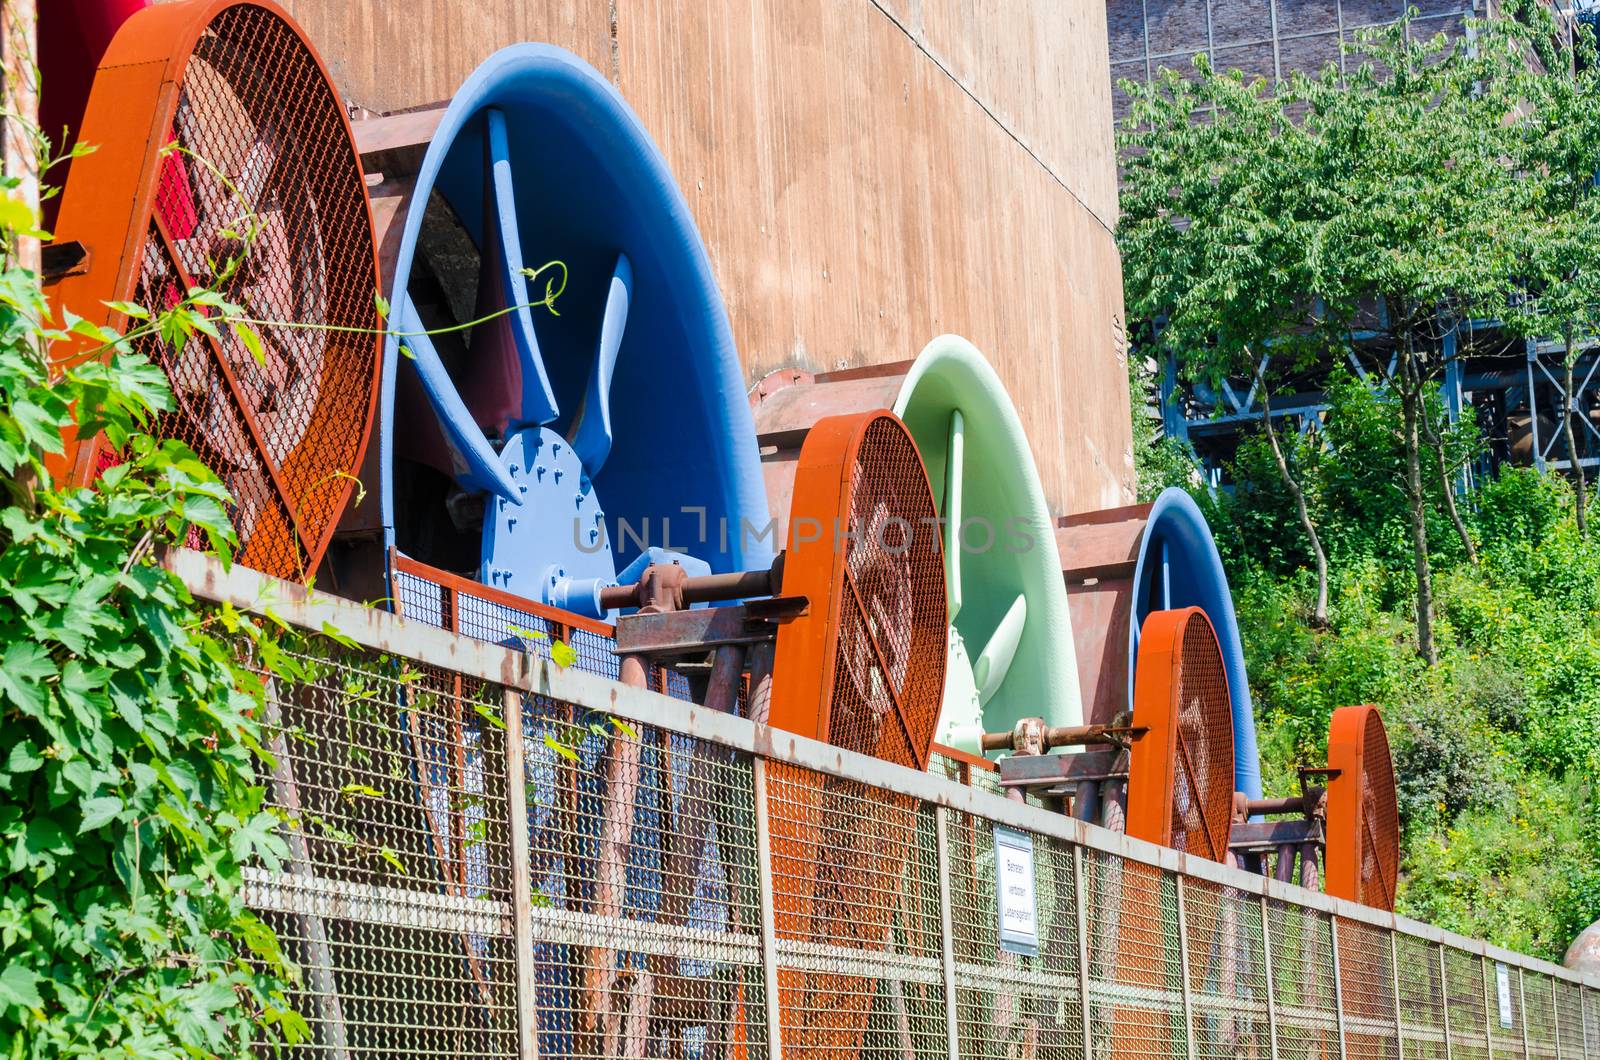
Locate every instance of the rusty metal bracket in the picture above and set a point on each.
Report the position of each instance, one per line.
(677, 634)
(57, 261)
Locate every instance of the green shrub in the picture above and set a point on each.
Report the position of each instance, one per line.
(129, 797)
(1497, 747)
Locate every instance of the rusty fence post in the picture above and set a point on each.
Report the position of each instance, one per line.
(1394, 983)
(1522, 1003)
(1444, 1001)
(1338, 986)
(769, 932)
(1183, 968)
(1080, 883)
(521, 874)
(1266, 963)
(947, 953)
(1488, 1020)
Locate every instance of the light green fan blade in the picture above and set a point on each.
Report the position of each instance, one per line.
(989, 670)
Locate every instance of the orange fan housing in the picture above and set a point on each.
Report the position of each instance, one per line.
(1180, 778)
(1363, 850)
(219, 136)
(863, 669)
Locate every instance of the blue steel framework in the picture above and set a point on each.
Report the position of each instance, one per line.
(1520, 396)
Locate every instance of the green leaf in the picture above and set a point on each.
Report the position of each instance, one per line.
(332, 632)
(362, 789)
(393, 859)
(23, 758)
(19, 988)
(132, 309)
(563, 654)
(17, 215)
(488, 715)
(251, 340)
(23, 669)
(99, 811)
(560, 748)
(626, 729)
(524, 633)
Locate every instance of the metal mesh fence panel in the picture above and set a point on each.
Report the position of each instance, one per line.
(1136, 976)
(1569, 1019)
(645, 907)
(395, 897)
(1301, 942)
(1009, 1003)
(1591, 1022)
(1366, 984)
(1539, 1005)
(1421, 999)
(1463, 980)
(1505, 1011)
(411, 822)
(1227, 971)
(857, 917)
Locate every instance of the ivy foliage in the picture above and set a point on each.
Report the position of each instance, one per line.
(129, 790)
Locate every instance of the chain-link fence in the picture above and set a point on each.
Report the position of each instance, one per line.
(491, 854)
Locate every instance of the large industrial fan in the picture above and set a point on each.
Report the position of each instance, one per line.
(1341, 835)
(863, 669)
(1120, 565)
(1180, 779)
(1163, 773)
(1010, 652)
(563, 393)
(1363, 862)
(224, 159)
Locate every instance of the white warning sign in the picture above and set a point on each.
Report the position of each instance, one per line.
(1014, 891)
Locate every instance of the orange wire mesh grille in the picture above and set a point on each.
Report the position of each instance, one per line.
(1202, 790)
(1380, 819)
(890, 655)
(261, 170)
(1180, 782)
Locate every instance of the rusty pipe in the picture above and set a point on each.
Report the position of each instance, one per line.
(701, 589)
(1061, 735)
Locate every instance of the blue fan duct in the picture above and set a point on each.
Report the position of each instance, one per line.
(1178, 566)
(624, 406)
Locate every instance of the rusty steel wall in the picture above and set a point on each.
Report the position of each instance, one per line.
(867, 174)
(491, 854)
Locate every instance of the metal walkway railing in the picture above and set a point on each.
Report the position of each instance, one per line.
(493, 855)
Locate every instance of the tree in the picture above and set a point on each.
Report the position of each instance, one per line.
(1290, 219)
(1557, 144)
(1209, 239)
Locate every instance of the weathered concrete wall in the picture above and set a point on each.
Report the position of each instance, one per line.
(867, 174)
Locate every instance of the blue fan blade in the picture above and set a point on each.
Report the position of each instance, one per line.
(483, 464)
(538, 399)
(591, 429)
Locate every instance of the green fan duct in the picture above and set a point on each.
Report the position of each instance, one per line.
(1011, 646)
